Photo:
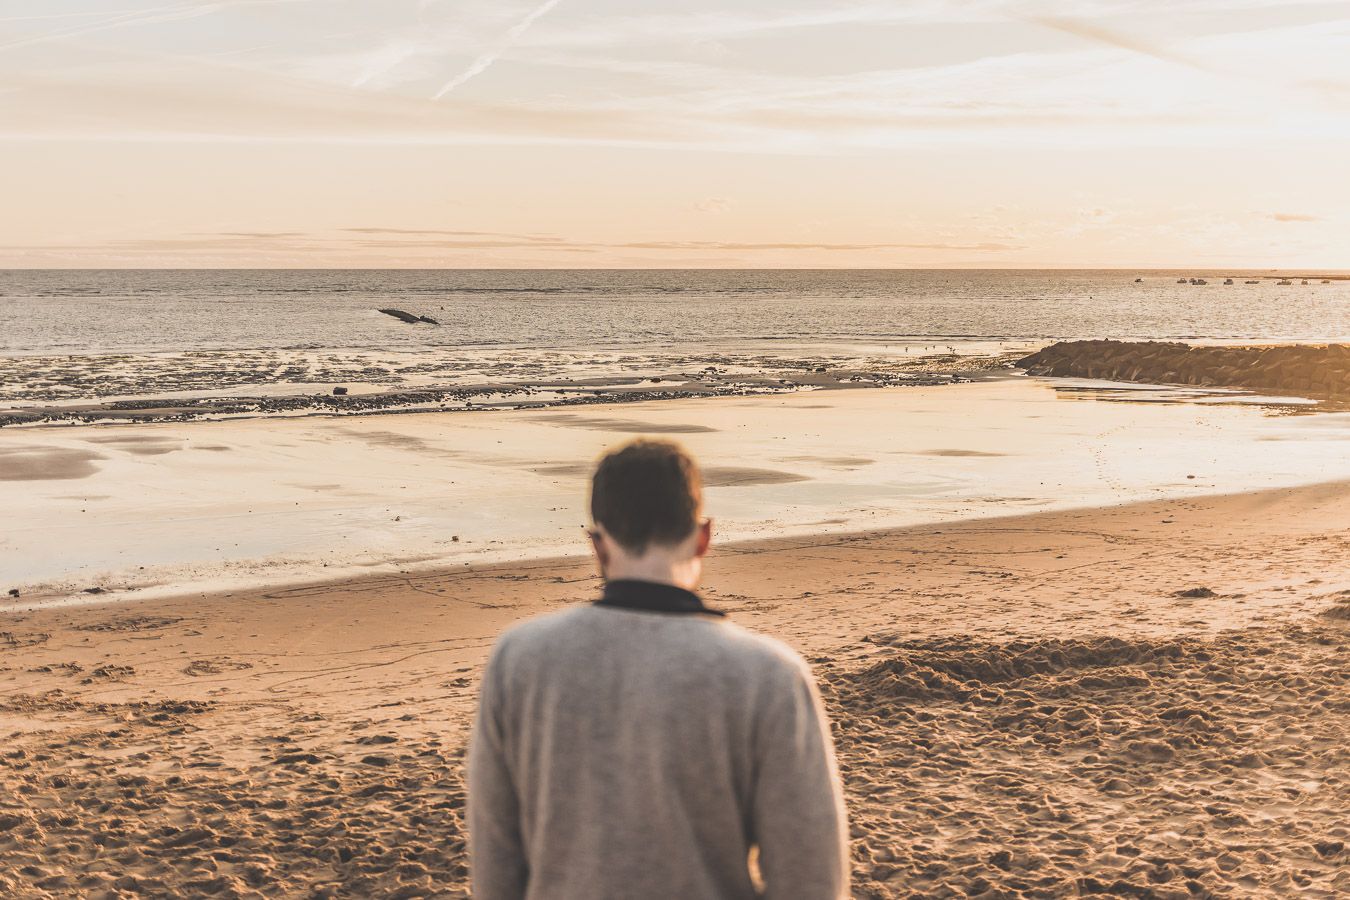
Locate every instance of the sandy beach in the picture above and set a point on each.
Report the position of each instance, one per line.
(1142, 699)
(1076, 637)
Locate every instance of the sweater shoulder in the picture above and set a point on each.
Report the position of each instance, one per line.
(539, 636)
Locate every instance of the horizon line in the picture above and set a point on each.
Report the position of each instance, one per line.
(1309, 271)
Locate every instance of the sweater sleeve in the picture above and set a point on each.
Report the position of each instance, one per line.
(798, 806)
(497, 862)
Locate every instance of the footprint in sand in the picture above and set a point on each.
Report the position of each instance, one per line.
(109, 673)
(215, 665)
(131, 623)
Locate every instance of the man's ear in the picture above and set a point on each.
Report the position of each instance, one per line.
(704, 538)
(601, 551)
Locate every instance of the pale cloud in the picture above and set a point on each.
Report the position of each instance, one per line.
(531, 238)
(379, 243)
(261, 235)
(718, 23)
(126, 19)
(982, 247)
(1121, 40)
(715, 205)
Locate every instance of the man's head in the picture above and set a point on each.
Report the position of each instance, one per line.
(647, 506)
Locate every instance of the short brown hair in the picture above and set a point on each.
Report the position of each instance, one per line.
(647, 492)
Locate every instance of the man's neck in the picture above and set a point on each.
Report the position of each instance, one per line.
(678, 574)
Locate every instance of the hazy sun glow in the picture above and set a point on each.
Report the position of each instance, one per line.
(569, 133)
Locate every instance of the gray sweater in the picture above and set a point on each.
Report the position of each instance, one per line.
(622, 753)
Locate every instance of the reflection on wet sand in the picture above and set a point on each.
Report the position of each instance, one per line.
(139, 444)
(713, 476)
(36, 463)
(624, 426)
(956, 452)
(834, 462)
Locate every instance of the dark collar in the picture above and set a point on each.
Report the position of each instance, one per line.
(649, 596)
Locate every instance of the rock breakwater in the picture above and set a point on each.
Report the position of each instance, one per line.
(1321, 370)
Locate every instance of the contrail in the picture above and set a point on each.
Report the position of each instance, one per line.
(480, 64)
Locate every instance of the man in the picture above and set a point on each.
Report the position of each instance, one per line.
(643, 746)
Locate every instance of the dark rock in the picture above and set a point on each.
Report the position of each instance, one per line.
(1196, 592)
(14, 592)
(94, 590)
(1313, 370)
(428, 319)
(339, 392)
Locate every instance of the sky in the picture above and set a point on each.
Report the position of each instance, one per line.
(675, 133)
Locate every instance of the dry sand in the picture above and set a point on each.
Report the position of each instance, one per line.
(1045, 705)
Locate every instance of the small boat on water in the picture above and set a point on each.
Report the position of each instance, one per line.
(1284, 281)
(1228, 281)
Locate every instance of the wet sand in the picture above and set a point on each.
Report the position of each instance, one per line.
(1146, 699)
(162, 508)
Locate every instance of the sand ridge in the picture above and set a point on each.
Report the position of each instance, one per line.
(1147, 767)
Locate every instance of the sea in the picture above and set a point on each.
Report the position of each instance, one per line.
(69, 312)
